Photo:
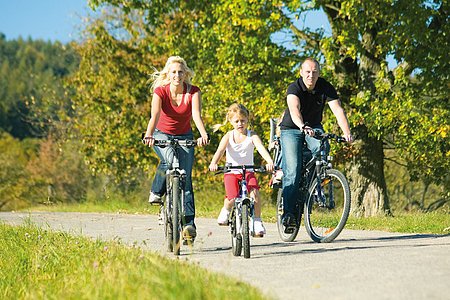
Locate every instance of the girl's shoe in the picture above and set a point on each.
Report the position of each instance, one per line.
(258, 230)
(222, 220)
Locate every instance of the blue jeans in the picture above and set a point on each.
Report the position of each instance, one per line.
(292, 141)
(186, 158)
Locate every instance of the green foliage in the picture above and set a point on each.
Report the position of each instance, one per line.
(31, 89)
(113, 96)
(57, 173)
(13, 159)
(406, 107)
(36, 263)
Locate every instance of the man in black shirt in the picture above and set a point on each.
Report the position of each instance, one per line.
(306, 99)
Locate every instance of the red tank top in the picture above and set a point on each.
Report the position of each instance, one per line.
(175, 120)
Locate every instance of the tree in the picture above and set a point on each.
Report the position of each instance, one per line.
(113, 97)
(406, 108)
(229, 45)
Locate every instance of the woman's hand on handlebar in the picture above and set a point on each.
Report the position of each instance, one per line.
(149, 140)
(202, 141)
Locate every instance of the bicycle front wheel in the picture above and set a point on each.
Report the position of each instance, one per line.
(245, 230)
(236, 237)
(327, 207)
(168, 223)
(176, 216)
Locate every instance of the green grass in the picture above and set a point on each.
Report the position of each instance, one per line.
(412, 222)
(39, 264)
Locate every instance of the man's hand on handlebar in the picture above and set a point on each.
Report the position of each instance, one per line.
(348, 137)
(308, 130)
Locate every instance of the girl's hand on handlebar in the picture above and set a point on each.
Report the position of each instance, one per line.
(270, 167)
(213, 167)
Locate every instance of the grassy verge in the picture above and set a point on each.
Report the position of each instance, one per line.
(36, 263)
(412, 222)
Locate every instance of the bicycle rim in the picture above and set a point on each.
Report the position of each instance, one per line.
(322, 221)
(285, 237)
(236, 238)
(245, 231)
(176, 215)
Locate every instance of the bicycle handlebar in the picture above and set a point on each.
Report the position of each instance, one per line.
(225, 169)
(326, 136)
(174, 142)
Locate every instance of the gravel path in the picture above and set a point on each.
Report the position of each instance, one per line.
(357, 265)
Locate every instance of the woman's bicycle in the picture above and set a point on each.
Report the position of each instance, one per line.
(242, 213)
(173, 207)
(324, 193)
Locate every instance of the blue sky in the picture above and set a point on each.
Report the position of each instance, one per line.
(54, 20)
(61, 19)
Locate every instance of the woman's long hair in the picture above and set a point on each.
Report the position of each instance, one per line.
(161, 78)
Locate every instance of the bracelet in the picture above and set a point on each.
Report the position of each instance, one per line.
(148, 137)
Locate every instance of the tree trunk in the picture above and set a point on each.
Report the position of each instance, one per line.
(366, 176)
(355, 75)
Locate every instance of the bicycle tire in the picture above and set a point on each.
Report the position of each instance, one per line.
(236, 238)
(285, 237)
(323, 222)
(176, 217)
(245, 230)
(168, 224)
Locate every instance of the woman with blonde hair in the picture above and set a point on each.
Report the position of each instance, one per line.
(175, 103)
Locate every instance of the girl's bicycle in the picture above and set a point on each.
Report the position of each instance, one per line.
(242, 213)
(324, 193)
(173, 207)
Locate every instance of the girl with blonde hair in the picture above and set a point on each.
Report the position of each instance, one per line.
(239, 145)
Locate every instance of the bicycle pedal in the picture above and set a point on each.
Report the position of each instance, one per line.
(188, 242)
(289, 229)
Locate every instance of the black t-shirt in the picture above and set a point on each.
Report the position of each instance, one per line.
(312, 102)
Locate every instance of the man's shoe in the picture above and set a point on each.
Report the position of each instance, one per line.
(189, 234)
(154, 199)
(289, 222)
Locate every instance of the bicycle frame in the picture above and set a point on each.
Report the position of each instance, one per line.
(320, 187)
(174, 202)
(243, 209)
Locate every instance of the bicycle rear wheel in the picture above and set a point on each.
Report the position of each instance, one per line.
(176, 216)
(327, 207)
(285, 237)
(236, 237)
(245, 230)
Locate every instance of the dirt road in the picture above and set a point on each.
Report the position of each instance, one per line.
(357, 265)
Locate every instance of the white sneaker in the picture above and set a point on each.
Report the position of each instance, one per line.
(222, 220)
(154, 199)
(259, 230)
